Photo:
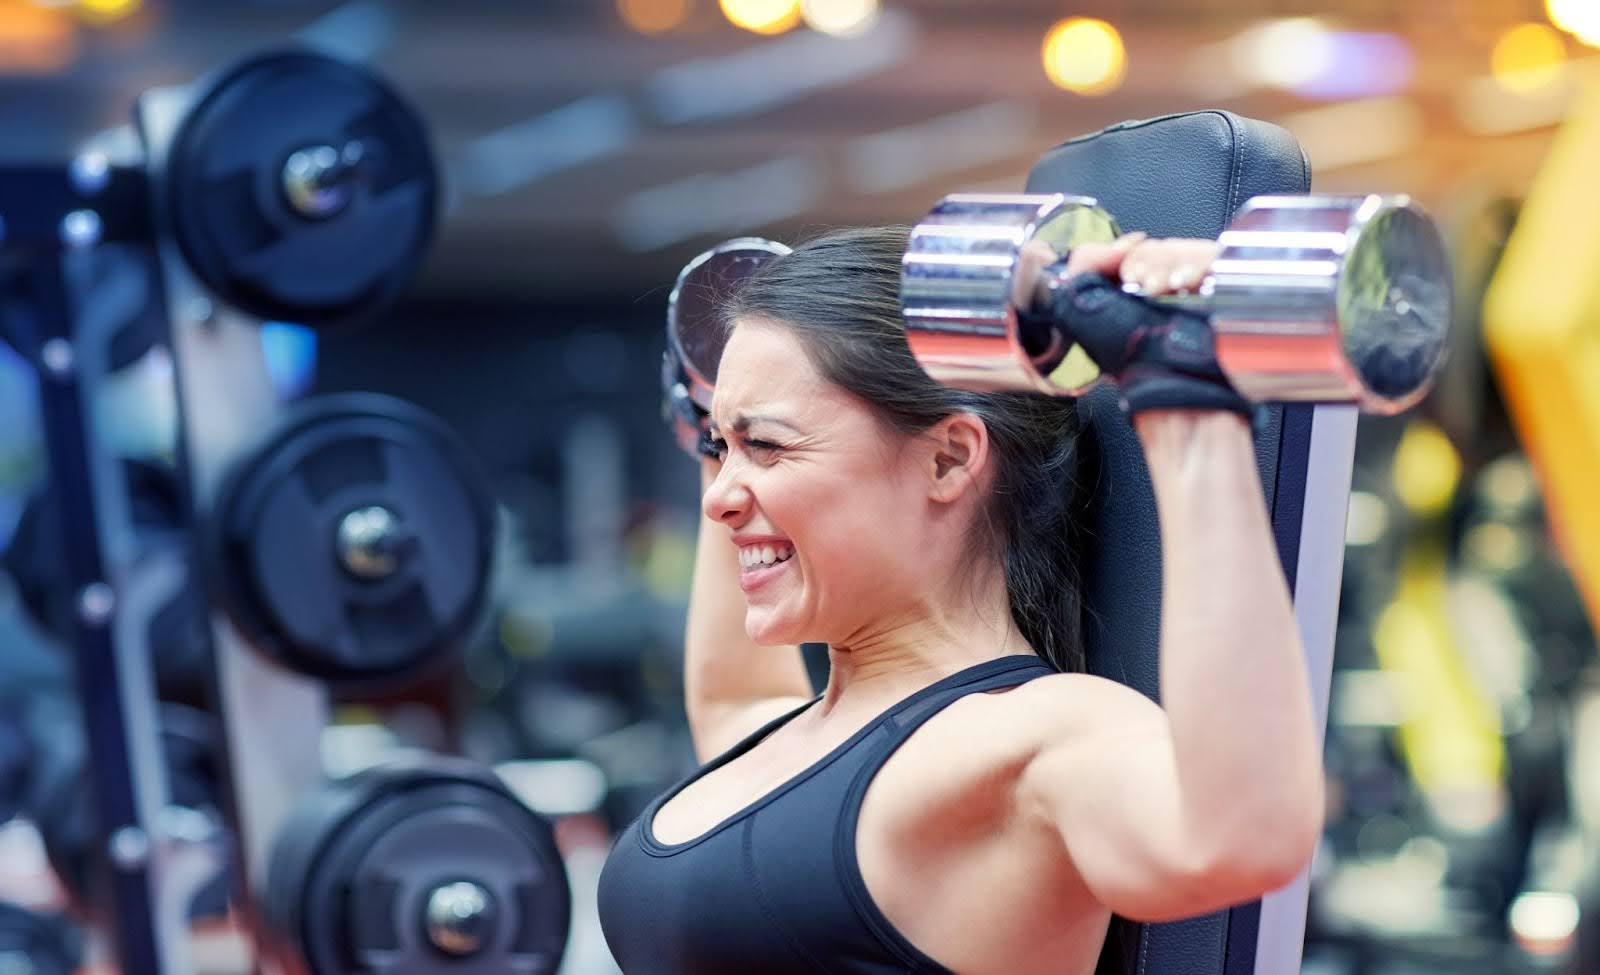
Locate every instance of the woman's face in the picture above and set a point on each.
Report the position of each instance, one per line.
(827, 509)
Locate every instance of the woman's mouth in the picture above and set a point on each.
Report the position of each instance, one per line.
(759, 564)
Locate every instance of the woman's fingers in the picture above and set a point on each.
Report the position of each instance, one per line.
(1104, 259)
(1156, 266)
(1036, 255)
(1166, 266)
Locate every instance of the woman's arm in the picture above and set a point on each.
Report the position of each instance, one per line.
(1216, 797)
(1233, 677)
(731, 685)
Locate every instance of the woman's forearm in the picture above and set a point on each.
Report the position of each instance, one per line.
(722, 666)
(1233, 678)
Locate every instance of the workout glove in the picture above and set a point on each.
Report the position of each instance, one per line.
(1161, 358)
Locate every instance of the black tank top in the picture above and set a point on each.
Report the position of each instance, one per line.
(775, 888)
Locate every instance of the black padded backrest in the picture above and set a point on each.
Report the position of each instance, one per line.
(1175, 176)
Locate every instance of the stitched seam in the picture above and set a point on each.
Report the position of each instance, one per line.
(1238, 169)
(748, 862)
(1144, 948)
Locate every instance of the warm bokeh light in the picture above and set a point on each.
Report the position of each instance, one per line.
(34, 39)
(1426, 469)
(841, 18)
(1580, 18)
(1085, 56)
(107, 11)
(1528, 57)
(762, 16)
(1287, 53)
(653, 16)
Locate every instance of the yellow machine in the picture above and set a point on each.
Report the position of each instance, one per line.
(1542, 328)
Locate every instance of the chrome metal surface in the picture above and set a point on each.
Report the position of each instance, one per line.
(319, 180)
(81, 229)
(459, 918)
(1332, 299)
(1342, 299)
(57, 357)
(695, 327)
(957, 290)
(369, 542)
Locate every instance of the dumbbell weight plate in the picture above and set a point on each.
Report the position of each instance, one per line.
(956, 290)
(695, 331)
(415, 869)
(272, 223)
(355, 544)
(66, 822)
(1331, 299)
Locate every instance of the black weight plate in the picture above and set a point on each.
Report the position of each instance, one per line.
(355, 863)
(234, 222)
(66, 820)
(279, 515)
(37, 944)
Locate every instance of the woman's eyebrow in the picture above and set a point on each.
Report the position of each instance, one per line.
(745, 421)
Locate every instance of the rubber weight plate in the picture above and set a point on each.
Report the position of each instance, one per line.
(416, 869)
(302, 189)
(355, 545)
(66, 816)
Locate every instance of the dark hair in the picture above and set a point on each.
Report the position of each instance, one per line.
(840, 295)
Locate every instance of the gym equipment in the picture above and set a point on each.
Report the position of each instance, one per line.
(301, 189)
(36, 563)
(292, 187)
(418, 868)
(65, 819)
(696, 332)
(1185, 176)
(355, 543)
(37, 944)
(1540, 326)
(1335, 299)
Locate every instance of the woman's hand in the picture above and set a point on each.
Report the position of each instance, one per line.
(1158, 267)
(1161, 267)
(1162, 357)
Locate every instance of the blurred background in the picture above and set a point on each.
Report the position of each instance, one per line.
(590, 147)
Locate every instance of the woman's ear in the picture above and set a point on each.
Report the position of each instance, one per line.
(957, 457)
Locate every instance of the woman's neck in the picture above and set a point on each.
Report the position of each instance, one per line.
(898, 657)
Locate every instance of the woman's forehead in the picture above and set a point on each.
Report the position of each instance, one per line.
(765, 367)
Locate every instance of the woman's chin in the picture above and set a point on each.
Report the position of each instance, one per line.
(769, 630)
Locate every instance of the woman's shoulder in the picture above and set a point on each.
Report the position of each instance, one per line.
(966, 752)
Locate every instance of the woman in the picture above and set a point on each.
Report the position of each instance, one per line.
(961, 797)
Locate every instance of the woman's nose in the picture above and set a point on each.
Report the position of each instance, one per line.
(727, 499)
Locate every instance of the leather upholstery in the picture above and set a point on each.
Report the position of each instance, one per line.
(1175, 176)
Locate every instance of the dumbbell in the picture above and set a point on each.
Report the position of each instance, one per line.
(696, 332)
(418, 867)
(1335, 299)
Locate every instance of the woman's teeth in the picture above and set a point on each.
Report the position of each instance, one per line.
(751, 556)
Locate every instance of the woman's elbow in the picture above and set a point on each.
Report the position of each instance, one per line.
(1264, 853)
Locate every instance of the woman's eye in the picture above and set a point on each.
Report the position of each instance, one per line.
(719, 447)
(763, 447)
